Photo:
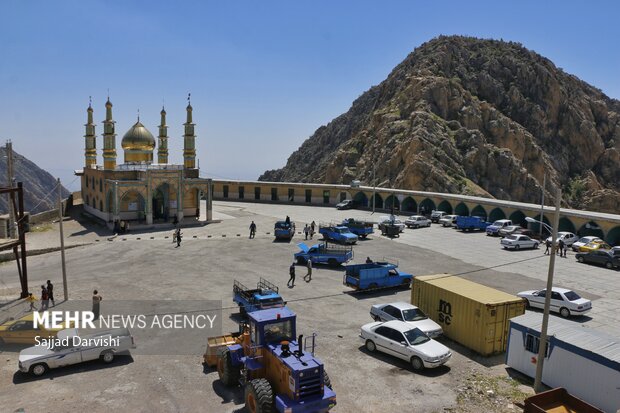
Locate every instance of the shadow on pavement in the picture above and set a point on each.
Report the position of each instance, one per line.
(402, 367)
(52, 374)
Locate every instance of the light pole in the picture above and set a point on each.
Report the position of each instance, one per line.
(374, 188)
(532, 221)
(542, 347)
(62, 242)
(542, 202)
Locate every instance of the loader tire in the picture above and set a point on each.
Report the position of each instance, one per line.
(229, 374)
(259, 396)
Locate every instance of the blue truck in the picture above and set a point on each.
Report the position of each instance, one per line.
(338, 233)
(324, 253)
(360, 228)
(265, 295)
(471, 223)
(276, 368)
(494, 228)
(284, 230)
(375, 275)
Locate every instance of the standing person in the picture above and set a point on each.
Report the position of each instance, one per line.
(96, 304)
(252, 230)
(560, 247)
(178, 237)
(31, 299)
(547, 247)
(306, 231)
(50, 292)
(312, 228)
(44, 299)
(291, 272)
(564, 249)
(308, 276)
(287, 221)
(368, 260)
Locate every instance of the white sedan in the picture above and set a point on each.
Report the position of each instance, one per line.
(584, 241)
(517, 241)
(401, 340)
(510, 229)
(567, 237)
(563, 301)
(406, 312)
(448, 220)
(417, 221)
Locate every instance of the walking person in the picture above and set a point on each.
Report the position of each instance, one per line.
(547, 247)
(291, 272)
(252, 230)
(178, 237)
(312, 229)
(306, 231)
(44, 299)
(31, 299)
(308, 276)
(564, 249)
(50, 292)
(560, 247)
(96, 304)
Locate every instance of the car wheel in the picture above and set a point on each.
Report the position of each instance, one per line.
(38, 369)
(370, 346)
(527, 303)
(107, 357)
(517, 247)
(332, 261)
(564, 312)
(609, 265)
(373, 286)
(416, 363)
(536, 246)
(580, 259)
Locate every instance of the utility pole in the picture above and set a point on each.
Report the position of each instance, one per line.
(9, 172)
(374, 188)
(542, 203)
(542, 346)
(62, 242)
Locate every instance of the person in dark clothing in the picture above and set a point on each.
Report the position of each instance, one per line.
(564, 249)
(287, 221)
(50, 292)
(560, 247)
(44, 299)
(547, 247)
(96, 304)
(252, 230)
(178, 237)
(291, 280)
(368, 260)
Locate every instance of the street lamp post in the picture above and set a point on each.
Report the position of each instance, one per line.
(542, 347)
(535, 221)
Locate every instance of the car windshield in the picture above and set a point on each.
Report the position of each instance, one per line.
(276, 332)
(416, 337)
(281, 224)
(497, 223)
(414, 314)
(572, 296)
(343, 230)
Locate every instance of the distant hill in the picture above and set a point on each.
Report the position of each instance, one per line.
(473, 116)
(39, 193)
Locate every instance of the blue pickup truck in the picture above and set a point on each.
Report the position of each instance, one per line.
(494, 228)
(324, 253)
(375, 275)
(265, 295)
(284, 230)
(338, 233)
(360, 228)
(471, 223)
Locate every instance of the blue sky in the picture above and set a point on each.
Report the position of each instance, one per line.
(264, 75)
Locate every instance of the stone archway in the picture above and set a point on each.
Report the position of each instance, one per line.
(613, 236)
(445, 207)
(409, 205)
(479, 211)
(391, 200)
(426, 206)
(566, 225)
(377, 202)
(497, 213)
(361, 199)
(591, 228)
(132, 201)
(518, 218)
(461, 210)
(160, 202)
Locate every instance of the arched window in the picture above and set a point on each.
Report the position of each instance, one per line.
(100, 185)
(87, 200)
(100, 205)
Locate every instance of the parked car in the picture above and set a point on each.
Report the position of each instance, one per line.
(532, 234)
(437, 215)
(448, 220)
(406, 312)
(563, 301)
(568, 237)
(583, 241)
(417, 221)
(510, 229)
(599, 257)
(518, 241)
(346, 204)
(401, 340)
(284, 230)
(390, 220)
(360, 228)
(22, 331)
(338, 233)
(324, 253)
(595, 245)
(104, 345)
(494, 228)
(374, 275)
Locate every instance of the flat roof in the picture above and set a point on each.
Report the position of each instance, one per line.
(469, 289)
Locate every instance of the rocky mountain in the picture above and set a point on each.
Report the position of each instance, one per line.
(39, 186)
(473, 116)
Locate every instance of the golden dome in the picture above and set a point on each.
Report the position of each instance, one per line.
(138, 138)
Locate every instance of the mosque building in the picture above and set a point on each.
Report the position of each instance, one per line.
(140, 190)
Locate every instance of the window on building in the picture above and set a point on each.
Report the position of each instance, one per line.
(225, 190)
(87, 199)
(532, 344)
(92, 182)
(326, 196)
(291, 195)
(100, 185)
(308, 195)
(101, 206)
(274, 194)
(241, 192)
(257, 193)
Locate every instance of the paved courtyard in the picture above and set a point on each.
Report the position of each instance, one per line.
(147, 266)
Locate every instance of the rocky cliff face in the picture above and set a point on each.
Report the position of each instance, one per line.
(472, 116)
(39, 192)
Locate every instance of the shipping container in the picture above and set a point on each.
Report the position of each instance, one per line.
(471, 314)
